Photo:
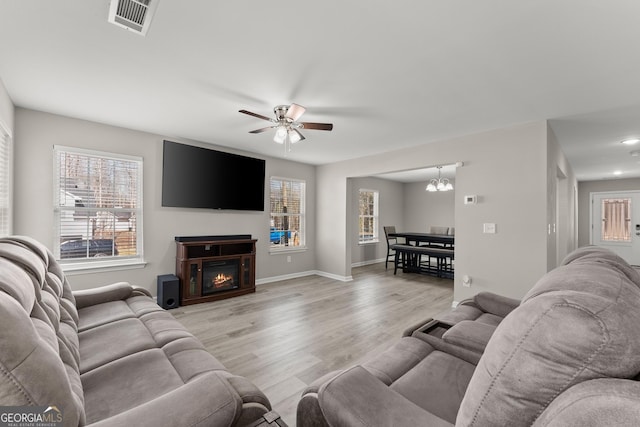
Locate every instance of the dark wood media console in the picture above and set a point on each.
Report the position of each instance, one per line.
(215, 267)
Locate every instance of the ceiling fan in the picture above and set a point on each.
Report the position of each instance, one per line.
(286, 124)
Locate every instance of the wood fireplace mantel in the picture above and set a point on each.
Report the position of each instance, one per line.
(196, 254)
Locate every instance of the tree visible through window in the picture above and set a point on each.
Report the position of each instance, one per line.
(368, 217)
(287, 201)
(98, 205)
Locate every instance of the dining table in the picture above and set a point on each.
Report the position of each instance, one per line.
(408, 255)
(417, 238)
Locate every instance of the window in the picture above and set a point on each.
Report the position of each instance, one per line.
(368, 218)
(616, 220)
(287, 201)
(97, 207)
(5, 183)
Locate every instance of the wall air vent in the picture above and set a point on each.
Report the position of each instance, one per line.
(134, 15)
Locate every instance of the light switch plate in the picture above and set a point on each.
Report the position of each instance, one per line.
(489, 228)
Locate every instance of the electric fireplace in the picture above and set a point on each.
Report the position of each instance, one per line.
(215, 267)
(218, 276)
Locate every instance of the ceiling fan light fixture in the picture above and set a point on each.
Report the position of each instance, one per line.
(281, 135)
(294, 136)
(286, 124)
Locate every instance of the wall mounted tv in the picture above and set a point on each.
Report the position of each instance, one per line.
(195, 177)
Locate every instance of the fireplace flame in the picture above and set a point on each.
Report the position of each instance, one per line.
(222, 280)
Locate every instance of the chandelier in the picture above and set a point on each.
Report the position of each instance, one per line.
(440, 184)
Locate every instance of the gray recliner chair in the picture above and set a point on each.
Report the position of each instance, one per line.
(566, 356)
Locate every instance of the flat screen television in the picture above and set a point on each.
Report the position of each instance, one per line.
(195, 177)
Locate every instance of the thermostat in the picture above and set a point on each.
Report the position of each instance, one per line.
(470, 200)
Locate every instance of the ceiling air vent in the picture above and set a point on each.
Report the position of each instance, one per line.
(134, 15)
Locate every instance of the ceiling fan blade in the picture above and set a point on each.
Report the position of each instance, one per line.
(295, 111)
(256, 115)
(262, 130)
(318, 126)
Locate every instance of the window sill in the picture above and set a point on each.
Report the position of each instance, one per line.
(276, 251)
(73, 268)
(368, 242)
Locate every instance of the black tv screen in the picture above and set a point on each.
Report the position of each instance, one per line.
(195, 177)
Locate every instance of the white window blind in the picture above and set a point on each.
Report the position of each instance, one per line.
(5, 183)
(368, 216)
(97, 205)
(287, 201)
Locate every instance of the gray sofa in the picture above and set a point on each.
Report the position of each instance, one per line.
(567, 355)
(108, 356)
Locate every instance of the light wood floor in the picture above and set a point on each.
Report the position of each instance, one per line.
(291, 332)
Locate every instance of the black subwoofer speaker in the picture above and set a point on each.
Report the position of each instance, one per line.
(168, 291)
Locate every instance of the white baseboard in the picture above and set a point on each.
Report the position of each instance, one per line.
(285, 277)
(303, 274)
(363, 263)
(334, 276)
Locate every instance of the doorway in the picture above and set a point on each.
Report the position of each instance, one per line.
(615, 223)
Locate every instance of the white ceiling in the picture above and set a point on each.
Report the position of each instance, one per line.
(386, 74)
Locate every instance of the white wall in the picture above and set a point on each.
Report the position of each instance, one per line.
(585, 188)
(505, 168)
(37, 132)
(562, 190)
(423, 209)
(391, 206)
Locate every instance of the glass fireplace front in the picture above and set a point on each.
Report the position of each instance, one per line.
(220, 276)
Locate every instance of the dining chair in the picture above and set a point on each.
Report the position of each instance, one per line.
(435, 229)
(390, 229)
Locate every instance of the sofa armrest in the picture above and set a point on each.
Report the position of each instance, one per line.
(418, 326)
(357, 398)
(495, 304)
(114, 292)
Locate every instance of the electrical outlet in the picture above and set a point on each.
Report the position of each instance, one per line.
(489, 228)
(288, 258)
(466, 281)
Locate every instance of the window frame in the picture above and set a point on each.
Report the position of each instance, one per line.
(83, 265)
(375, 216)
(6, 180)
(274, 249)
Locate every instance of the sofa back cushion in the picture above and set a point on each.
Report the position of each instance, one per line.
(39, 351)
(579, 322)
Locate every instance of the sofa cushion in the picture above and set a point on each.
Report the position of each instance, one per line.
(579, 322)
(437, 384)
(97, 344)
(428, 377)
(469, 334)
(397, 360)
(131, 307)
(357, 398)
